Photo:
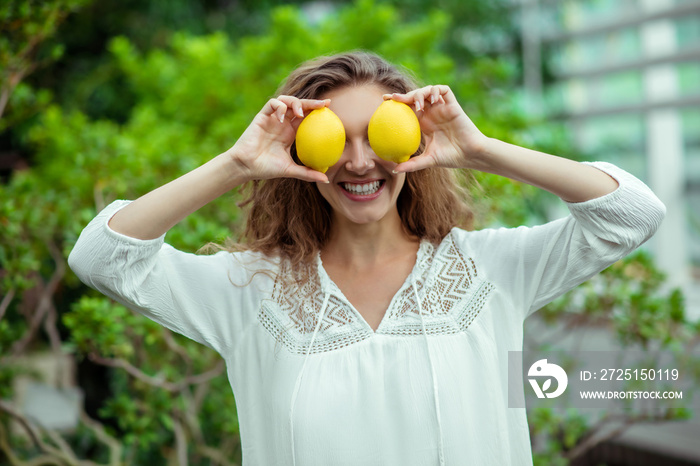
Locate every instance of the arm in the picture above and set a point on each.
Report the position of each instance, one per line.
(452, 140)
(122, 254)
(153, 214)
(534, 265)
(570, 180)
(262, 152)
(612, 212)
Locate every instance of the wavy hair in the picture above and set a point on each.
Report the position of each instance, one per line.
(289, 218)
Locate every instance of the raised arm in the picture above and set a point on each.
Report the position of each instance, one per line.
(452, 140)
(262, 152)
(128, 261)
(612, 212)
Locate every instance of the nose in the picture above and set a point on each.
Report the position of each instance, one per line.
(359, 158)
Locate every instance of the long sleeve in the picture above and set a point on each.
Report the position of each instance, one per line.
(199, 296)
(535, 265)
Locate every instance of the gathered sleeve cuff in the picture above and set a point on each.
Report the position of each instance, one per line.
(628, 216)
(199, 296)
(534, 265)
(100, 249)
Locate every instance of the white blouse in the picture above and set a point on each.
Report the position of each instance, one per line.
(315, 385)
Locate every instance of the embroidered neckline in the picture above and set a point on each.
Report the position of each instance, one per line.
(451, 289)
(424, 256)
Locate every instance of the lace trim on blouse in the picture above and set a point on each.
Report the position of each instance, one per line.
(450, 287)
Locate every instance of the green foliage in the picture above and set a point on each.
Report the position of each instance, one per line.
(10, 332)
(191, 100)
(630, 295)
(23, 103)
(99, 325)
(24, 26)
(187, 102)
(7, 374)
(197, 96)
(631, 299)
(554, 434)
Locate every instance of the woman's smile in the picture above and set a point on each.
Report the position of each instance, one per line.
(362, 187)
(362, 190)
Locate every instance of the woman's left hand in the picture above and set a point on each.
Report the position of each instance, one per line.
(451, 139)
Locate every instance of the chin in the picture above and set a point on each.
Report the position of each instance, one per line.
(361, 218)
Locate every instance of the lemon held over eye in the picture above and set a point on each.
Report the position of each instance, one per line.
(394, 131)
(320, 139)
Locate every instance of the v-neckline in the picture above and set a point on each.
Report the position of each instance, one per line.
(326, 281)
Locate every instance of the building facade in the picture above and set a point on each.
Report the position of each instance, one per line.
(625, 76)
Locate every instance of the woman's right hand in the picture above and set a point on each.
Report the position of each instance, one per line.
(263, 150)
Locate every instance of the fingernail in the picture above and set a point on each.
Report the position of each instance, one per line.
(394, 172)
(432, 99)
(282, 118)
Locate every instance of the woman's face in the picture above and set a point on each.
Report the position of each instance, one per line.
(362, 187)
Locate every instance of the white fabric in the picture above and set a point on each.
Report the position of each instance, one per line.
(315, 385)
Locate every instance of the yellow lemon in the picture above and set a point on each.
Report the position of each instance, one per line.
(394, 131)
(320, 139)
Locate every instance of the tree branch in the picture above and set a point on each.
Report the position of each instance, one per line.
(204, 376)
(180, 442)
(5, 97)
(44, 461)
(115, 448)
(52, 331)
(5, 448)
(229, 444)
(177, 349)
(158, 381)
(215, 455)
(7, 299)
(133, 371)
(45, 301)
(627, 422)
(26, 425)
(63, 446)
(182, 420)
(54, 455)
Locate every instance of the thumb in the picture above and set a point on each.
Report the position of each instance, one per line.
(420, 162)
(305, 174)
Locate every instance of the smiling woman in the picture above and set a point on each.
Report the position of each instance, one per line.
(350, 179)
(394, 320)
(293, 217)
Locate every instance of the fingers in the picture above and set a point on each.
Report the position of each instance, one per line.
(305, 174)
(290, 107)
(426, 96)
(416, 163)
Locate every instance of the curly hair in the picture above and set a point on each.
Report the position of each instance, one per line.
(289, 218)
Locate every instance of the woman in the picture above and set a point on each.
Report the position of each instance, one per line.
(360, 326)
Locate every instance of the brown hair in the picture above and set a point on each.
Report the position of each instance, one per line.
(289, 217)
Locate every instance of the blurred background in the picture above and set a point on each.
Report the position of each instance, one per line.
(625, 76)
(102, 100)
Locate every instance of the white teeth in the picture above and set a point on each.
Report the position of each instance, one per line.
(366, 188)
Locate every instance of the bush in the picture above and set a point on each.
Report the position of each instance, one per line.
(167, 397)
